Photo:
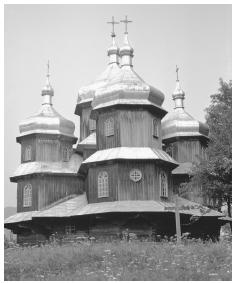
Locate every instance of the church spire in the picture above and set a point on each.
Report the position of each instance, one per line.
(47, 91)
(178, 94)
(126, 51)
(113, 51)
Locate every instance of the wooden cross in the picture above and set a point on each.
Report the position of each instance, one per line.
(113, 23)
(177, 72)
(126, 21)
(48, 69)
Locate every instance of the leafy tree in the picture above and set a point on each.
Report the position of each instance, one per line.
(214, 174)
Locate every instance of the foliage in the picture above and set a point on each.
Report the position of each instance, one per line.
(215, 173)
(119, 260)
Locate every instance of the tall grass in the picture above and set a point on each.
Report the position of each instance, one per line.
(120, 261)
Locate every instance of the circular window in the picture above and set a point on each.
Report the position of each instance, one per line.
(135, 175)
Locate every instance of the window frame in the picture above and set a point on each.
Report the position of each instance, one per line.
(27, 195)
(103, 184)
(163, 190)
(133, 177)
(70, 229)
(28, 153)
(109, 127)
(65, 156)
(155, 128)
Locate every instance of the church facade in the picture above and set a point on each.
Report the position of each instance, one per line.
(117, 177)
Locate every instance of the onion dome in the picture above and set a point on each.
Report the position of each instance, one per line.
(47, 120)
(179, 123)
(87, 93)
(127, 87)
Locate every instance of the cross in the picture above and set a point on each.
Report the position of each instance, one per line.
(126, 21)
(177, 70)
(113, 23)
(48, 69)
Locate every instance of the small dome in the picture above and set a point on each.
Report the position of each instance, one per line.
(179, 123)
(47, 121)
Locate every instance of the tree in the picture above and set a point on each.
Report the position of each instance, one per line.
(214, 174)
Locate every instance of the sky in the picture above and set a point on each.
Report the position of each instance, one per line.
(75, 38)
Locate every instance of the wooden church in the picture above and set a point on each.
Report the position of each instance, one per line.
(117, 178)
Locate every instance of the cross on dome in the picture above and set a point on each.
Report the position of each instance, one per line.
(126, 22)
(177, 73)
(113, 23)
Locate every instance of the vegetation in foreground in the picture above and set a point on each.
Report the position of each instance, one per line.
(192, 260)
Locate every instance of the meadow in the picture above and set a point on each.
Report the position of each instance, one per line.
(191, 260)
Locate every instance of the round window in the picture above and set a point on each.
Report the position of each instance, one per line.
(135, 175)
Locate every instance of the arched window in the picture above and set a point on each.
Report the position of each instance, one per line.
(109, 127)
(163, 185)
(28, 153)
(66, 154)
(103, 185)
(155, 128)
(27, 196)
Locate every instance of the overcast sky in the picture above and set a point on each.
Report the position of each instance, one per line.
(75, 39)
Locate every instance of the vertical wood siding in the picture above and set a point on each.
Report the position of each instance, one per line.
(121, 187)
(84, 123)
(186, 150)
(51, 149)
(93, 172)
(132, 128)
(48, 189)
(148, 188)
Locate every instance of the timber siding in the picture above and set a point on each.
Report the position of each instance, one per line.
(93, 172)
(51, 149)
(132, 128)
(148, 188)
(187, 150)
(121, 187)
(47, 190)
(84, 123)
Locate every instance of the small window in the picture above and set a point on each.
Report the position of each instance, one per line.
(66, 154)
(92, 125)
(103, 185)
(70, 229)
(163, 185)
(135, 175)
(28, 153)
(109, 127)
(27, 195)
(155, 128)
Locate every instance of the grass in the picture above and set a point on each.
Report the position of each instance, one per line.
(120, 261)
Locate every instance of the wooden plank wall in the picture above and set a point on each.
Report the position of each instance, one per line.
(104, 142)
(50, 149)
(132, 128)
(84, 123)
(93, 182)
(48, 189)
(186, 150)
(148, 188)
(120, 185)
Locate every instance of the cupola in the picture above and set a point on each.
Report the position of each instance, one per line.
(47, 120)
(179, 123)
(127, 87)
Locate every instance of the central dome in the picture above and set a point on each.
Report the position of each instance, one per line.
(127, 87)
